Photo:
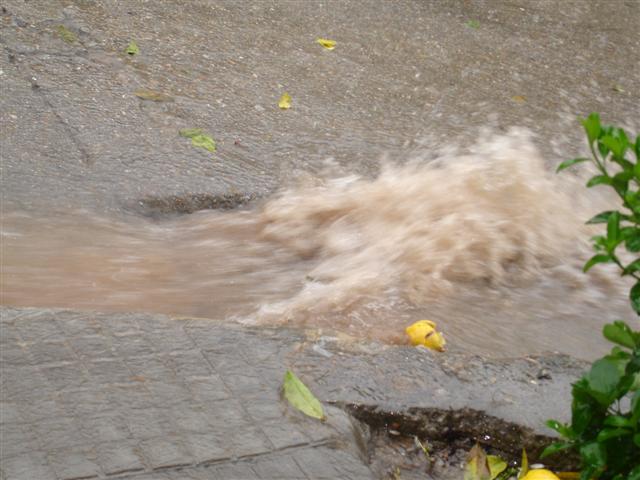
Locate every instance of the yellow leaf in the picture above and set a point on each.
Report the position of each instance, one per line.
(519, 98)
(424, 333)
(328, 44)
(285, 101)
(496, 465)
(477, 467)
(524, 465)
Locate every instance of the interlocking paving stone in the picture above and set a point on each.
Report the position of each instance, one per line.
(119, 457)
(29, 466)
(82, 402)
(167, 451)
(163, 415)
(282, 467)
(74, 464)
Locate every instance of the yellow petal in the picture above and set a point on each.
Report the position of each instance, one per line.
(328, 44)
(285, 101)
(423, 332)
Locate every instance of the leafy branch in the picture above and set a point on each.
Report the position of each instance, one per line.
(611, 152)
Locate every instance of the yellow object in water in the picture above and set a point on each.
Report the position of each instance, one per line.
(326, 43)
(285, 101)
(540, 474)
(423, 332)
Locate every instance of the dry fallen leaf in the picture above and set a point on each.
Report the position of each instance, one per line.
(285, 101)
(328, 44)
(154, 96)
(519, 98)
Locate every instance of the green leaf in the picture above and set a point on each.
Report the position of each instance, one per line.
(555, 448)
(635, 406)
(568, 163)
(632, 241)
(300, 397)
(593, 455)
(613, 228)
(637, 148)
(602, 217)
(603, 380)
(635, 473)
(584, 408)
(618, 421)
(592, 126)
(620, 333)
(634, 296)
(600, 258)
(636, 440)
(609, 433)
(190, 132)
(616, 145)
(132, 48)
(599, 180)
(496, 465)
(562, 429)
(65, 34)
(204, 141)
(199, 139)
(473, 24)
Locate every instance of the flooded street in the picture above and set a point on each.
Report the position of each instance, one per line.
(393, 189)
(488, 244)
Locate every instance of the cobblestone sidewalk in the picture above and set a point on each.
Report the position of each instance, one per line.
(147, 397)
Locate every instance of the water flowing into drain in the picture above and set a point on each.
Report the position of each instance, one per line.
(488, 244)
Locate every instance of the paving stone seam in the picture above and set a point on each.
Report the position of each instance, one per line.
(234, 460)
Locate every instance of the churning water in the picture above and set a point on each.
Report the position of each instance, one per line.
(489, 244)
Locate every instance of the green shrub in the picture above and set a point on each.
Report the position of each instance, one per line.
(605, 411)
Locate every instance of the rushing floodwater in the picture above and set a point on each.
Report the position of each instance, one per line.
(488, 244)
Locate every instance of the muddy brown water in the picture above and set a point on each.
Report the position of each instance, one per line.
(489, 244)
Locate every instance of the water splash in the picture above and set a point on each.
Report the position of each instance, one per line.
(488, 243)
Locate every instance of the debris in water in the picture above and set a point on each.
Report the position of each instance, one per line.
(328, 44)
(423, 332)
(146, 94)
(66, 34)
(285, 101)
(199, 138)
(300, 397)
(132, 48)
